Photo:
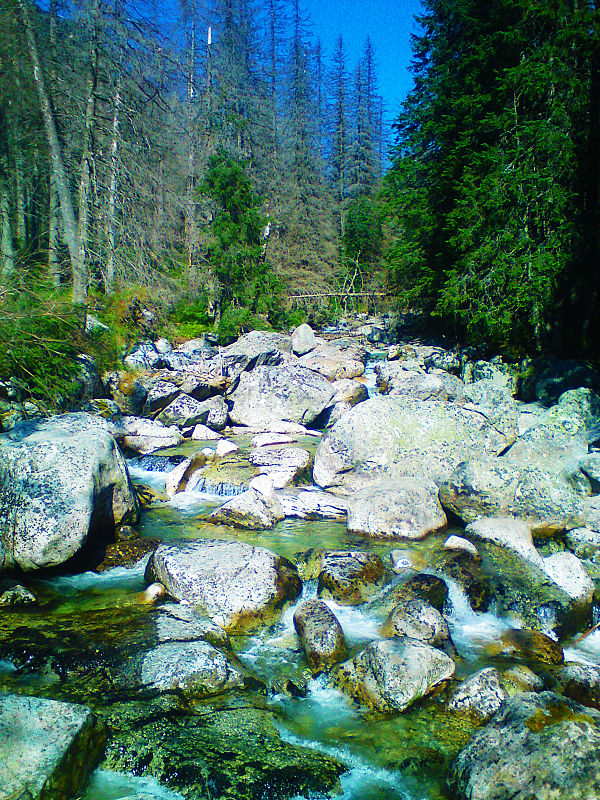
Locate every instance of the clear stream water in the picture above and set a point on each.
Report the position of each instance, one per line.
(403, 756)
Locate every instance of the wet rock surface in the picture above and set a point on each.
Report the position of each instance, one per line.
(392, 674)
(541, 746)
(236, 584)
(320, 633)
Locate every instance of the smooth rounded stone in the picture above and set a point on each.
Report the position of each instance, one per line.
(197, 668)
(237, 585)
(554, 593)
(540, 746)
(177, 479)
(583, 542)
(461, 545)
(331, 364)
(312, 503)
(520, 678)
(251, 510)
(270, 439)
(530, 645)
(580, 682)
(422, 586)
(64, 484)
(403, 560)
(321, 635)
(419, 620)
(350, 576)
(224, 447)
(455, 387)
(144, 436)
(426, 439)
(349, 391)
(48, 748)
(497, 488)
(203, 433)
(303, 339)
(287, 392)
(389, 675)
(176, 622)
(480, 695)
(18, 596)
(407, 508)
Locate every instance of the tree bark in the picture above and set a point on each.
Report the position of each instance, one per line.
(57, 163)
(7, 255)
(54, 237)
(81, 279)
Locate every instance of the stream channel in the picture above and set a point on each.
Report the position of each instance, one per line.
(401, 756)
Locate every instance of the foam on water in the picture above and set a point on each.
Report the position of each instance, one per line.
(358, 626)
(587, 651)
(131, 578)
(471, 630)
(362, 781)
(153, 479)
(105, 785)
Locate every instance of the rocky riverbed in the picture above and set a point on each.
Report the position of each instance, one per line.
(288, 568)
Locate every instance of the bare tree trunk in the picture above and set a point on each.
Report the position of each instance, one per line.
(7, 255)
(81, 279)
(21, 232)
(53, 199)
(58, 167)
(109, 277)
(190, 213)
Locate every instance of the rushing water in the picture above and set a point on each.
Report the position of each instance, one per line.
(404, 756)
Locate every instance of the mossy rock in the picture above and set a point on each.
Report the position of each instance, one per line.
(218, 751)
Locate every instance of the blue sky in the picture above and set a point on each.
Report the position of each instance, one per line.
(389, 23)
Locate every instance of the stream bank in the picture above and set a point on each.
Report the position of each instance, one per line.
(337, 487)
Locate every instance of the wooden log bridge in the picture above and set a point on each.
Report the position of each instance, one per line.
(321, 295)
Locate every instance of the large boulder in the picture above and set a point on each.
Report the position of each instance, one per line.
(538, 746)
(391, 674)
(237, 585)
(286, 392)
(350, 576)
(336, 359)
(196, 668)
(320, 633)
(47, 747)
(419, 620)
(143, 435)
(407, 508)
(251, 509)
(391, 437)
(283, 464)
(496, 487)
(552, 593)
(63, 482)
